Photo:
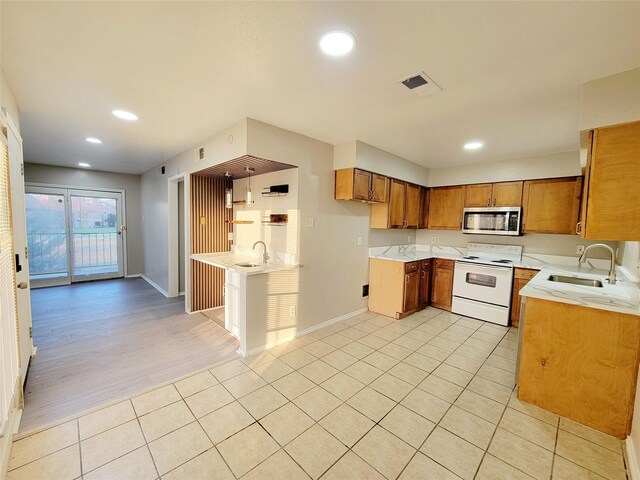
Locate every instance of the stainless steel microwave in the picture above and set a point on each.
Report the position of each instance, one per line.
(492, 220)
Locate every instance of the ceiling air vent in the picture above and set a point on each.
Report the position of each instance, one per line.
(420, 84)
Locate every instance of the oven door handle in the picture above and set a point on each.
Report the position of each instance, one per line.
(482, 265)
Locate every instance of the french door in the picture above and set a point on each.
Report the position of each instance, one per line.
(73, 235)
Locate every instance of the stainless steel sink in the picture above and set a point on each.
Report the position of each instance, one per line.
(247, 264)
(587, 282)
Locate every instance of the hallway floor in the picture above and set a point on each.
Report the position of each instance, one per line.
(107, 340)
(430, 396)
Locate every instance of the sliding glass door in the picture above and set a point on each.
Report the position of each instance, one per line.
(73, 235)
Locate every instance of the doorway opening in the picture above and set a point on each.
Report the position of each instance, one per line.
(74, 235)
(179, 237)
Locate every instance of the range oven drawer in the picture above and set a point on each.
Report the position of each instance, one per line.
(483, 311)
(484, 283)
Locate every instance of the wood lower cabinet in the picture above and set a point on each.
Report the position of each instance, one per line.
(611, 197)
(445, 207)
(581, 363)
(397, 289)
(551, 205)
(442, 283)
(356, 184)
(402, 210)
(425, 283)
(521, 277)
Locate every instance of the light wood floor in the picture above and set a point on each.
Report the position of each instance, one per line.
(102, 341)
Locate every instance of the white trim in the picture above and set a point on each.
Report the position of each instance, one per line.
(155, 285)
(632, 459)
(134, 275)
(6, 438)
(306, 331)
(173, 241)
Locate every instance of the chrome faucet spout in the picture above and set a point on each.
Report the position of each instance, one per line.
(612, 267)
(265, 256)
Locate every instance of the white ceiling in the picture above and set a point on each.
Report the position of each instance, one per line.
(511, 74)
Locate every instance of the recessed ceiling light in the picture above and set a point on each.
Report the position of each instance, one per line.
(124, 115)
(84, 165)
(337, 42)
(473, 145)
(93, 140)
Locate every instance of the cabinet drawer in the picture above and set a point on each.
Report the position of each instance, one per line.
(411, 266)
(443, 263)
(425, 264)
(525, 273)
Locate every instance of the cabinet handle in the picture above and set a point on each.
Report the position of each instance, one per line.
(578, 228)
(406, 279)
(423, 274)
(494, 202)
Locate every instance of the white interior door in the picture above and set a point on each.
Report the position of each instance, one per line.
(96, 235)
(23, 294)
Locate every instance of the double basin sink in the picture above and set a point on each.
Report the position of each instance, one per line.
(587, 282)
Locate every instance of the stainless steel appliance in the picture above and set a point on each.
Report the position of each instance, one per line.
(482, 282)
(492, 220)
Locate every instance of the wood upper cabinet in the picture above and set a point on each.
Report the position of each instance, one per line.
(424, 207)
(478, 195)
(521, 277)
(401, 211)
(445, 207)
(504, 194)
(356, 184)
(551, 205)
(442, 283)
(611, 195)
(507, 194)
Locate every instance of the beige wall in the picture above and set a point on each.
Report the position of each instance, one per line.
(564, 164)
(361, 155)
(8, 100)
(73, 177)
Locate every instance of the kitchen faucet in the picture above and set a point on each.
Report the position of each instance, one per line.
(265, 257)
(612, 268)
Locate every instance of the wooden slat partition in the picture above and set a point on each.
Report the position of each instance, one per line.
(209, 236)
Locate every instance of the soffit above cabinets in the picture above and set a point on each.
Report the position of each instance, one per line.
(236, 167)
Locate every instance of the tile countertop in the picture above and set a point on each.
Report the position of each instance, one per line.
(228, 260)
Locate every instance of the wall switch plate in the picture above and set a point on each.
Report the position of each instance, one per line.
(308, 222)
(292, 311)
(409, 237)
(579, 249)
(433, 239)
(359, 240)
(230, 236)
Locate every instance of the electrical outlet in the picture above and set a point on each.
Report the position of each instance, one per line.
(409, 237)
(359, 240)
(292, 311)
(308, 222)
(433, 239)
(579, 249)
(230, 236)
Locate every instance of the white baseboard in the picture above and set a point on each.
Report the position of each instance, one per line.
(155, 285)
(306, 331)
(133, 275)
(632, 459)
(6, 439)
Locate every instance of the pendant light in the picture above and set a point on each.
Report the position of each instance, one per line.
(228, 193)
(249, 198)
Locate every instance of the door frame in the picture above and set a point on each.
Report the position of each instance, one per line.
(68, 212)
(173, 243)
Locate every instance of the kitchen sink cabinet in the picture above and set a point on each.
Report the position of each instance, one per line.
(445, 207)
(504, 194)
(581, 363)
(401, 211)
(395, 287)
(611, 197)
(442, 283)
(551, 205)
(521, 277)
(360, 185)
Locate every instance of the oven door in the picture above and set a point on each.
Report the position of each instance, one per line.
(484, 283)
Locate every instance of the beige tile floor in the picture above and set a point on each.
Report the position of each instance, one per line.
(430, 396)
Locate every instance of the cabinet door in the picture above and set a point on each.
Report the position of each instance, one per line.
(361, 185)
(518, 284)
(411, 290)
(425, 283)
(507, 194)
(478, 195)
(613, 201)
(379, 188)
(412, 206)
(424, 208)
(442, 288)
(445, 208)
(551, 205)
(396, 204)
